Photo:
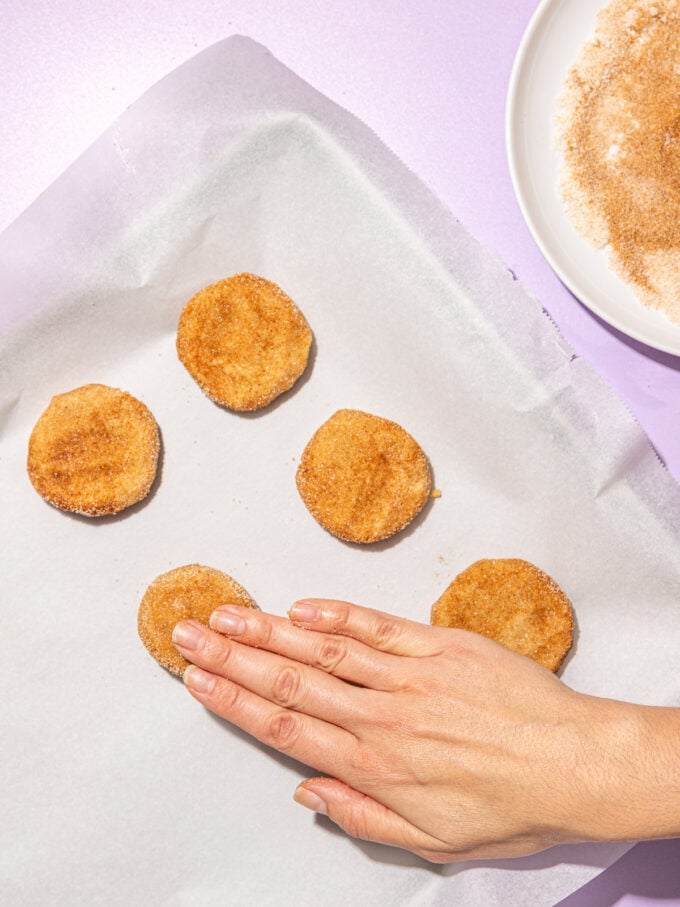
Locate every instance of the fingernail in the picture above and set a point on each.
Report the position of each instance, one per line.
(188, 636)
(228, 620)
(312, 801)
(198, 680)
(304, 611)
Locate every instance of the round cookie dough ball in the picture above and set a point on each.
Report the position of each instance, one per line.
(362, 477)
(514, 603)
(185, 593)
(94, 451)
(244, 341)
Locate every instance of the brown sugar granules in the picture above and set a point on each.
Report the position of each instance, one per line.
(619, 128)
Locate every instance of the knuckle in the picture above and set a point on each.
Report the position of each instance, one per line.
(455, 640)
(341, 618)
(459, 641)
(331, 653)
(286, 685)
(355, 822)
(228, 697)
(265, 633)
(391, 721)
(466, 650)
(284, 729)
(386, 631)
(221, 652)
(367, 766)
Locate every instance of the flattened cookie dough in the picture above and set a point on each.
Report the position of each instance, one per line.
(514, 603)
(244, 341)
(94, 451)
(362, 477)
(185, 593)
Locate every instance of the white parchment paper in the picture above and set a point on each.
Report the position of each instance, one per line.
(117, 788)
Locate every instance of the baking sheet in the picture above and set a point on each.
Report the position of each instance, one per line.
(118, 788)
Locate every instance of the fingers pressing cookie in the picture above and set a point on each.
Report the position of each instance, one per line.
(190, 592)
(276, 679)
(342, 657)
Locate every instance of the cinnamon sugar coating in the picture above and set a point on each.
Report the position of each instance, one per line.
(94, 451)
(362, 477)
(244, 341)
(191, 592)
(513, 602)
(619, 125)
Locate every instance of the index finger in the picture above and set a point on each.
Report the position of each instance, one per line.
(380, 630)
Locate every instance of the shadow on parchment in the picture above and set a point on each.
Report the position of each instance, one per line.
(579, 854)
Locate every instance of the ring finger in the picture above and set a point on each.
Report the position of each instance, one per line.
(325, 747)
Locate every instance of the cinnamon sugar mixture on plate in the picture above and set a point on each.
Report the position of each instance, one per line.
(619, 124)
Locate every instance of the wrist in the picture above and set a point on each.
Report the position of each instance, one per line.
(629, 772)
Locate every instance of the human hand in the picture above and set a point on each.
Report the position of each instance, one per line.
(437, 741)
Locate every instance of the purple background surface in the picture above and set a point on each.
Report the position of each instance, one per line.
(431, 81)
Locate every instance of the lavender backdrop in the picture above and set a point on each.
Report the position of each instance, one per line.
(430, 79)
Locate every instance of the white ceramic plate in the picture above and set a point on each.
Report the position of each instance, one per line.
(548, 50)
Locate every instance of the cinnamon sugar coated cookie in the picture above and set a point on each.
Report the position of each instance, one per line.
(514, 603)
(185, 593)
(244, 341)
(362, 477)
(94, 451)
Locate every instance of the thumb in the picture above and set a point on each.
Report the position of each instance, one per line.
(362, 817)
